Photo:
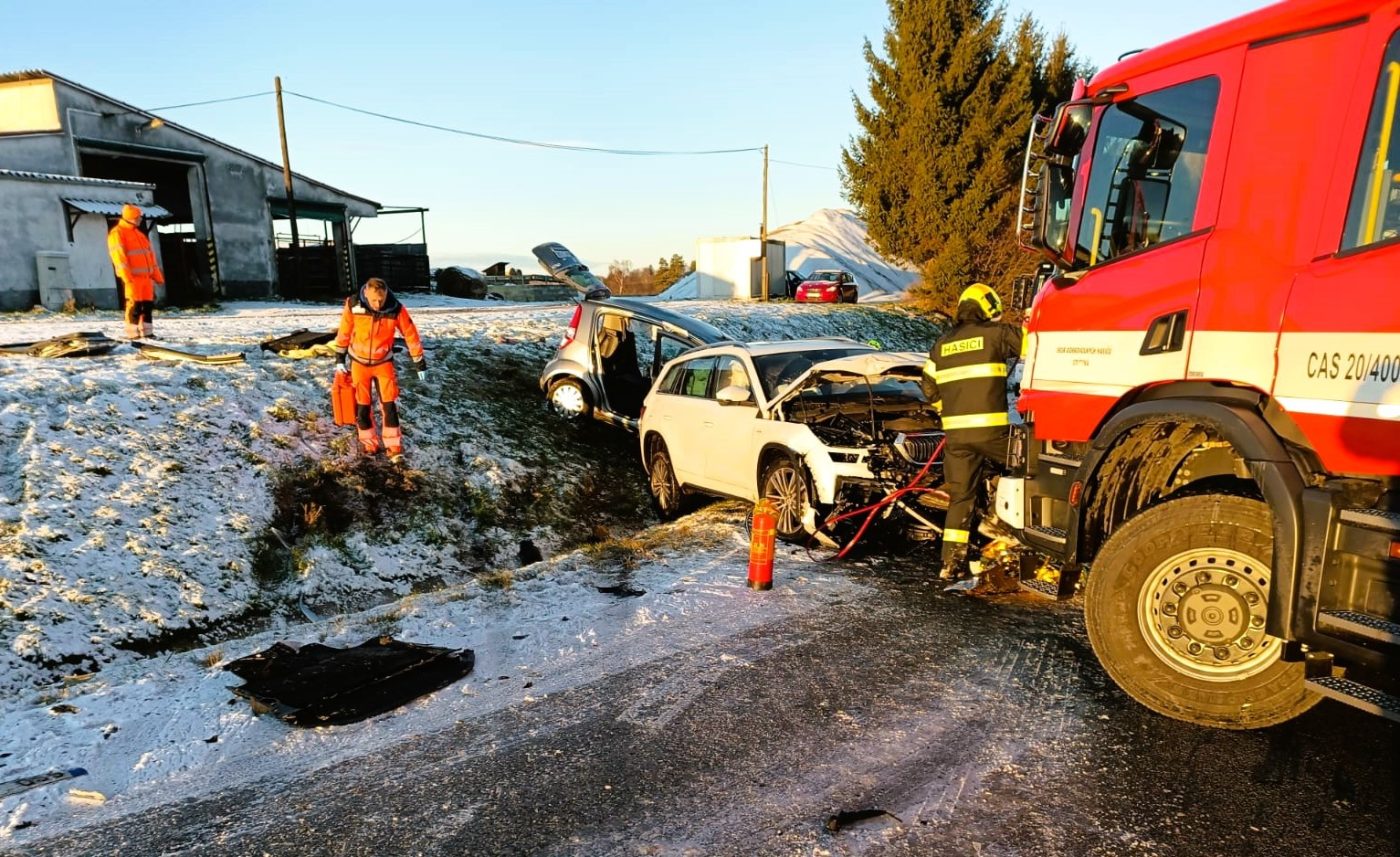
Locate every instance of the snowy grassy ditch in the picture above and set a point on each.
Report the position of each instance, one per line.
(151, 507)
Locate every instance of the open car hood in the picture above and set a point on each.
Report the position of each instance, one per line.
(873, 365)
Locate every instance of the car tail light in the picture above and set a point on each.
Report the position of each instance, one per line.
(573, 326)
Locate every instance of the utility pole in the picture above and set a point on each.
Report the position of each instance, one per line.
(763, 229)
(287, 184)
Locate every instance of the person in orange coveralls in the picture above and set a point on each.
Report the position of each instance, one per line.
(364, 347)
(138, 270)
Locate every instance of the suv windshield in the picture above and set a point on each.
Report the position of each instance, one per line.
(777, 370)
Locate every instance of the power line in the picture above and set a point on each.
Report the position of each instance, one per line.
(522, 142)
(808, 166)
(213, 101)
(404, 239)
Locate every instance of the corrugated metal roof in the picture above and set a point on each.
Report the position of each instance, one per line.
(56, 177)
(114, 209)
(38, 73)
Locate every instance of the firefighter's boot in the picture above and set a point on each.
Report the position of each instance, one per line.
(954, 566)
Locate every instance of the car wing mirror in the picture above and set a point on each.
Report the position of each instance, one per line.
(735, 395)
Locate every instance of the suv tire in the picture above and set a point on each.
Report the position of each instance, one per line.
(569, 399)
(1174, 605)
(666, 493)
(784, 482)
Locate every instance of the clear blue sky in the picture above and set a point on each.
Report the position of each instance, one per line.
(638, 75)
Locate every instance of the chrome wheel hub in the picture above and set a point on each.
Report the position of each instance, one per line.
(663, 485)
(789, 496)
(1202, 612)
(568, 400)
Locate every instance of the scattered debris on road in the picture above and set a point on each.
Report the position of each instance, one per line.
(317, 685)
(23, 784)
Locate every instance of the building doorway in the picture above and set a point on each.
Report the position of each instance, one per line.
(186, 248)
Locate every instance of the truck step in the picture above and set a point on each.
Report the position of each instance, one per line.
(1358, 695)
(1360, 624)
(1043, 588)
(1047, 534)
(1373, 519)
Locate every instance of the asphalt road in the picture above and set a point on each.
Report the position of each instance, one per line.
(979, 728)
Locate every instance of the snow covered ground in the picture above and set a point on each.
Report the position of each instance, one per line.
(137, 552)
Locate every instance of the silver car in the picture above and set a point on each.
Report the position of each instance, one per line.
(612, 348)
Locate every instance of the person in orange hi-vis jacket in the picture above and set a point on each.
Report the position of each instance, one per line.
(364, 347)
(138, 270)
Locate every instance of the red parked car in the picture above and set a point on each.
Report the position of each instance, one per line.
(831, 287)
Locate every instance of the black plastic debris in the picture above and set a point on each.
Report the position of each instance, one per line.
(82, 344)
(21, 784)
(622, 590)
(845, 819)
(529, 553)
(298, 343)
(317, 685)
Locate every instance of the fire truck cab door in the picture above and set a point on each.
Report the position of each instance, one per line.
(1148, 197)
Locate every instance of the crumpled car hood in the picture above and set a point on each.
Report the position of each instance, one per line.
(872, 365)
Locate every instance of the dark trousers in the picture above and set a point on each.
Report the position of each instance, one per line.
(138, 318)
(965, 461)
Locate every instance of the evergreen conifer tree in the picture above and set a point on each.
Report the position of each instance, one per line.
(935, 171)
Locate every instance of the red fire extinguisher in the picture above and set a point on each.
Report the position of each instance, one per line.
(761, 538)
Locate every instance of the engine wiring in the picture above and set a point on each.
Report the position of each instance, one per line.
(871, 510)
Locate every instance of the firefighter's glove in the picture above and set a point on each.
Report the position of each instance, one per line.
(342, 362)
(421, 367)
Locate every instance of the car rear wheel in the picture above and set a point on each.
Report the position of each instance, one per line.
(784, 484)
(1175, 605)
(666, 492)
(569, 399)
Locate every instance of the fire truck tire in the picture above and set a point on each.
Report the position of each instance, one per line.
(1175, 606)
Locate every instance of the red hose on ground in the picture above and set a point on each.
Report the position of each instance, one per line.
(889, 498)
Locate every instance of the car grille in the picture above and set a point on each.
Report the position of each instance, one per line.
(917, 448)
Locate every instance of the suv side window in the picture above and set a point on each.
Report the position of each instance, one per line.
(1374, 213)
(1148, 159)
(697, 376)
(671, 381)
(644, 333)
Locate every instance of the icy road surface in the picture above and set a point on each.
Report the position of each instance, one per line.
(742, 726)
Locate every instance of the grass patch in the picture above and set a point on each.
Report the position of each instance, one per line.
(500, 579)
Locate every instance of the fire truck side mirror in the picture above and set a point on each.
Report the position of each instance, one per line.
(1069, 128)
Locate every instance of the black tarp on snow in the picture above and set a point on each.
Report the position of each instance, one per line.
(316, 685)
(85, 344)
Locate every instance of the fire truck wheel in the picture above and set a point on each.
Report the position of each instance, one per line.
(1175, 606)
(785, 483)
(666, 494)
(569, 399)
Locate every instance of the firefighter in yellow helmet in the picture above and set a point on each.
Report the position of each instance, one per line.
(137, 268)
(965, 379)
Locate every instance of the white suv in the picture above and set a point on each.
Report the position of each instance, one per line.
(814, 425)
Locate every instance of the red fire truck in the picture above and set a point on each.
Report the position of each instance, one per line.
(1211, 386)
